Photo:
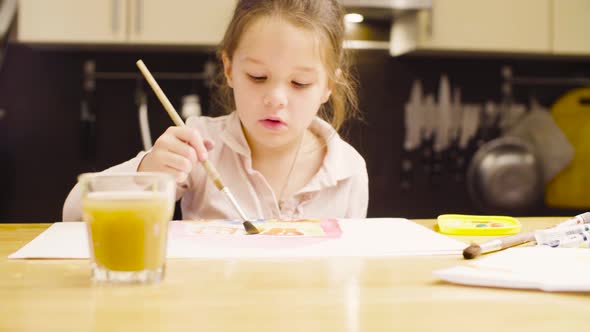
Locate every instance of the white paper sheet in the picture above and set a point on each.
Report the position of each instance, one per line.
(543, 268)
(60, 240)
(366, 237)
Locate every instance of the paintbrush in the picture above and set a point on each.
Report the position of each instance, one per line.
(475, 249)
(211, 171)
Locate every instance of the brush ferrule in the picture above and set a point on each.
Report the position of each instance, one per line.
(234, 203)
(491, 246)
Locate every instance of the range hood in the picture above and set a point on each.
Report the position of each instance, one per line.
(392, 4)
(375, 31)
(384, 9)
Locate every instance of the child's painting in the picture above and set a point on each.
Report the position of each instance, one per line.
(269, 227)
(274, 233)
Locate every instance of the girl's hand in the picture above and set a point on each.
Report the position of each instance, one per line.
(176, 152)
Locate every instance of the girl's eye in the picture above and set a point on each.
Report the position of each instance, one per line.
(300, 85)
(257, 78)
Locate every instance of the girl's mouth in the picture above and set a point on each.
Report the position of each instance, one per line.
(273, 123)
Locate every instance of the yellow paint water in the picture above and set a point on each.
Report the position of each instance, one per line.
(128, 230)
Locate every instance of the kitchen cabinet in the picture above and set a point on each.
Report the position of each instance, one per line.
(514, 26)
(570, 21)
(69, 21)
(171, 22)
(180, 21)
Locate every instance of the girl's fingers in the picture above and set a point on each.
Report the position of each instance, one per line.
(209, 144)
(196, 141)
(177, 151)
(176, 161)
(183, 149)
(188, 136)
(174, 140)
(175, 165)
(163, 160)
(179, 176)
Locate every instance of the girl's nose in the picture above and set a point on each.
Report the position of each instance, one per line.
(275, 98)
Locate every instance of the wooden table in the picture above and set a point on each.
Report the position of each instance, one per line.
(330, 294)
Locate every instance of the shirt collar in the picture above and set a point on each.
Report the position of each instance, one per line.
(337, 163)
(233, 135)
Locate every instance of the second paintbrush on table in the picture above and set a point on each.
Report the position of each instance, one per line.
(475, 249)
(211, 171)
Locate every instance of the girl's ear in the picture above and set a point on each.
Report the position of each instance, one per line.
(330, 86)
(326, 95)
(227, 68)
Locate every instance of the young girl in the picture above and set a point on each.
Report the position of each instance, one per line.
(283, 65)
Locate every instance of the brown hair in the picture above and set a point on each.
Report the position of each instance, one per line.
(326, 18)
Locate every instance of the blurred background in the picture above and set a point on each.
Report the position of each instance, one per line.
(469, 106)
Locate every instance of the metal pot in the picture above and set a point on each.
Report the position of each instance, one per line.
(505, 177)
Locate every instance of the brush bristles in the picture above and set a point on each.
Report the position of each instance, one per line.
(472, 251)
(250, 229)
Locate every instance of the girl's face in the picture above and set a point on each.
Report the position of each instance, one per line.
(279, 81)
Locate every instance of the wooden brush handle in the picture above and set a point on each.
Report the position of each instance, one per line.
(160, 94)
(506, 242)
(510, 241)
(211, 171)
(213, 174)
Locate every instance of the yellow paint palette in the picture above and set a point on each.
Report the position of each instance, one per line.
(465, 224)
